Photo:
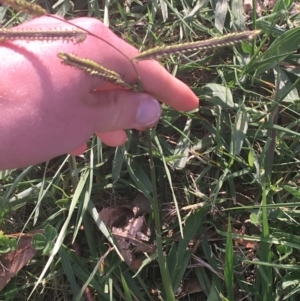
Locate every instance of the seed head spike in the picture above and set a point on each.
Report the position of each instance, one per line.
(36, 10)
(227, 40)
(25, 7)
(96, 69)
(42, 35)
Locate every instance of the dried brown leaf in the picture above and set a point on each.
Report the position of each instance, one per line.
(115, 217)
(13, 261)
(248, 244)
(190, 286)
(131, 233)
(140, 205)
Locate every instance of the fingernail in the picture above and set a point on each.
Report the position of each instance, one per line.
(148, 112)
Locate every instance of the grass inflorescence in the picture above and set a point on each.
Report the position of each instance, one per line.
(42, 35)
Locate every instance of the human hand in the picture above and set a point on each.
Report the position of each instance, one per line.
(48, 108)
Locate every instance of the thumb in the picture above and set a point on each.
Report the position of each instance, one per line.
(116, 110)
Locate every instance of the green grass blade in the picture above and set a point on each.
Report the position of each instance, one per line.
(63, 230)
(220, 14)
(183, 147)
(228, 270)
(239, 131)
(279, 50)
(170, 183)
(167, 285)
(69, 271)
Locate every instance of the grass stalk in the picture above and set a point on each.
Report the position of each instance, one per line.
(167, 284)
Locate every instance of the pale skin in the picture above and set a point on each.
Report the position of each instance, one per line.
(48, 109)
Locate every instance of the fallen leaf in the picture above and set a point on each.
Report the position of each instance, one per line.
(115, 217)
(130, 229)
(244, 242)
(189, 286)
(140, 205)
(13, 261)
(133, 239)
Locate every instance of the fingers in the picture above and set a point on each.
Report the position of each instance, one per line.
(115, 54)
(163, 86)
(114, 139)
(78, 151)
(115, 110)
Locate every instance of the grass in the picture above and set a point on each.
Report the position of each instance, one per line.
(225, 192)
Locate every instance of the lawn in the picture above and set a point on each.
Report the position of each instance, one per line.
(205, 206)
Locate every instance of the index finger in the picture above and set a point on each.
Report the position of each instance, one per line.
(158, 82)
(155, 79)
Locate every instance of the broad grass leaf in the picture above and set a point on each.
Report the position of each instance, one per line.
(5, 173)
(228, 269)
(292, 190)
(220, 14)
(266, 26)
(238, 13)
(217, 281)
(203, 279)
(3, 10)
(282, 5)
(289, 267)
(178, 258)
(80, 270)
(183, 147)
(251, 157)
(101, 225)
(6, 197)
(67, 267)
(239, 131)
(279, 50)
(133, 287)
(85, 196)
(118, 163)
(219, 95)
(285, 92)
(199, 5)
(169, 177)
(139, 177)
(126, 288)
(213, 294)
(63, 232)
(164, 9)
